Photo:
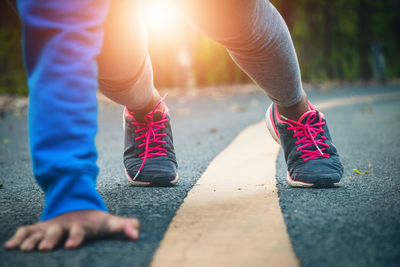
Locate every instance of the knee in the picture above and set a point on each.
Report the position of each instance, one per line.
(119, 82)
(220, 20)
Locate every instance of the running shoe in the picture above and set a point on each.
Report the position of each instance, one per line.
(311, 157)
(149, 155)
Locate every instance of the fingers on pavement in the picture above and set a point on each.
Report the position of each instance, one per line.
(51, 238)
(128, 226)
(75, 237)
(131, 228)
(31, 241)
(20, 235)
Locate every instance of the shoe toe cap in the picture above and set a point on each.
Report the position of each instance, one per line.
(326, 170)
(156, 172)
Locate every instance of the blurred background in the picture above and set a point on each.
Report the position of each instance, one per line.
(336, 40)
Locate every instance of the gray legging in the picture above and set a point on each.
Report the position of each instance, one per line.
(252, 31)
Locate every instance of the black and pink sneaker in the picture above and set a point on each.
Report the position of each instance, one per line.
(149, 155)
(312, 159)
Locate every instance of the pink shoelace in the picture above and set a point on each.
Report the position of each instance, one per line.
(148, 134)
(307, 136)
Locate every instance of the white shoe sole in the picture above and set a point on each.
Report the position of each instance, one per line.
(143, 184)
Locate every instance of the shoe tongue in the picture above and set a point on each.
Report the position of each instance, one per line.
(157, 115)
(304, 117)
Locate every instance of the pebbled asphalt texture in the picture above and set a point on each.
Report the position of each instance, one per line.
(356, 224)
(202, 127)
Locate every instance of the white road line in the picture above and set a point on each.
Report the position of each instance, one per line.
(232, 217)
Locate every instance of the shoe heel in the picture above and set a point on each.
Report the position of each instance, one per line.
(270, 124)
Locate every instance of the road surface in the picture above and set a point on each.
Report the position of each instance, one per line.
(356, 224)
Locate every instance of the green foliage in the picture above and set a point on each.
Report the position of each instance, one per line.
(12, 74)
(332, 38)
(213, 65)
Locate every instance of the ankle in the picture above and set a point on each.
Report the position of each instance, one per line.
(141, 112)
(295, 111)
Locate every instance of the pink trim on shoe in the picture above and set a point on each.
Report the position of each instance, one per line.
(273, 124)
(294, 183)
(278, 116)
(311, 106)
(133, 182)
(269, 120)
(139, 183)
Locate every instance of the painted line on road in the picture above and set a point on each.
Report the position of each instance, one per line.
(232, 217)
(327, 104)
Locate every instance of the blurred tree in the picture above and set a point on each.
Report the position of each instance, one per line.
(333, 40)
(364, 9)
(12, 74)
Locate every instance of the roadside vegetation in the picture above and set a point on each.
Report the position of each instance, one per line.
(345, 40)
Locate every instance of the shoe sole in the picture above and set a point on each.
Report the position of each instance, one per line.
(320, 183)
(162, 182)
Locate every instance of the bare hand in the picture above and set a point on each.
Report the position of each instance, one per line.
(77, 226)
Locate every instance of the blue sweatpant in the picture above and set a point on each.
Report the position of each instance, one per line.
(61, 40)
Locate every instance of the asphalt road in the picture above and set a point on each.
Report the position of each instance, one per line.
(356, 224)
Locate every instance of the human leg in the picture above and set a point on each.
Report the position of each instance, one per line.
(126, 77)
(258, 40)
(61, 42)
(60, 47)
(125, 71)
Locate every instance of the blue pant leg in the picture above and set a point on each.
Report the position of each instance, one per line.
(61, 40)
